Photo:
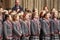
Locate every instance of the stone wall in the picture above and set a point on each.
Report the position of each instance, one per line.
(39, 4)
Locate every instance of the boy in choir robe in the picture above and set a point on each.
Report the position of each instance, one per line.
(17, 30)
(8, 27)
(46, 26)
(55, 26)
(26, 27)
(35, 27)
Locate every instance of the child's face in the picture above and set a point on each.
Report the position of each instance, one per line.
(36, 16)
(27, 16)
(48, 15)
(56, 14)
(10, 18)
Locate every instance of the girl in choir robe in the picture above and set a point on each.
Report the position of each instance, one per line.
(46, 26)
(8, 28)
(41, 20)
(1, 26)
(35, 27)
(55, 26)
(26, 27)
(20, 16)
(17, 30)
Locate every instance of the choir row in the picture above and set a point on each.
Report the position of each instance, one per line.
(27, 25)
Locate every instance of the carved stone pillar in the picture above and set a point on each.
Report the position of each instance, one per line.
(58, 5)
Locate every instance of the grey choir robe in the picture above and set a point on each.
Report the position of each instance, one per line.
(17, 30)
(1, 27)
(59, 29)
(46, 29)
(59, 26)
(8, 30)
(52, 29)
(55, 29)
(41, 32)
(25, 30)
(1, 30)
(35, 29)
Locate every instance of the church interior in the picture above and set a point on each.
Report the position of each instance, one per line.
(39, 4)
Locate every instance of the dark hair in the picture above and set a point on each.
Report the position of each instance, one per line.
(6, 16)
(24, 16)
(52, 9)
(33, 14)
(33, 10)
(27, 10)
(40, 15)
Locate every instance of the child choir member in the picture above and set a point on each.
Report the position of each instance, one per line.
(8, 28)
(54, 25)
(46, 26)
(17, 30)
(35, 27)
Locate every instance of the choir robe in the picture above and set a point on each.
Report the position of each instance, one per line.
(46, 29)
(41, 32)
(1, 30)
(59, 29)
(35, 29)
(8, 30)
(1, 26)
(17, 30)
(55, 29)
(51, 29)
(25, 30)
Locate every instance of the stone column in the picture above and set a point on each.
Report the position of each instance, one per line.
(55, 4)
(51, 6)
(30, 4)
(58, 5)
(25, 3)
(42, 3)
(39, 5)
(12, 3)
